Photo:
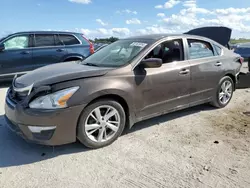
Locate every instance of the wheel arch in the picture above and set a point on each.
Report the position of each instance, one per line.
(231, 75)
(72, 58)
(118, 97)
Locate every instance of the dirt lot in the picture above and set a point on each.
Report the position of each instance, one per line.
(198, 147)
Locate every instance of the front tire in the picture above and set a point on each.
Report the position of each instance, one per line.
(101, 123)
(224, 92)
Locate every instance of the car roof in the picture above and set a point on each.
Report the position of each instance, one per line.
(46, 32)
(156, 37)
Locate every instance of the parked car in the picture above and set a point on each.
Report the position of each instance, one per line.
(244, 50)
(26, 51)
(99, 46)
(95, 99)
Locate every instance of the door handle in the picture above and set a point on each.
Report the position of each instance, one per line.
(60, 50)
(25, 52)
(218, 64)
(185, 71)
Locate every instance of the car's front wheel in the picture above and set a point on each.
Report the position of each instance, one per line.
(224, 92)
(101, 123)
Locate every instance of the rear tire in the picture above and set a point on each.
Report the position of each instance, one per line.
(224, 93)
(101, 123)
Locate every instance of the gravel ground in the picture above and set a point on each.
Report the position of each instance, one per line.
(197, 147)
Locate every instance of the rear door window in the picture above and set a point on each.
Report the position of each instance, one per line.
(44, 40)
(68, 39)
(199, 49)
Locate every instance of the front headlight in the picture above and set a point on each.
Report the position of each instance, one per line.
(54, 100)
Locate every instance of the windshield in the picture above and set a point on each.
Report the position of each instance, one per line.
(116, 54)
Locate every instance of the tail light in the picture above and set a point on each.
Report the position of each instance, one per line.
(91, 46)
(241, 60)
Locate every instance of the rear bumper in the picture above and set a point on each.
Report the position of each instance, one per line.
(237, 77)
(46, 127)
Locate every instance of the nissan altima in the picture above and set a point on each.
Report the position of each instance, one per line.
(128, 81)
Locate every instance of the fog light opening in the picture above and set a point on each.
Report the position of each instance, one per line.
(36, 129)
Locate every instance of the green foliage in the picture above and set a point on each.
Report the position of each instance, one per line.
(240, 40)
(105, 40)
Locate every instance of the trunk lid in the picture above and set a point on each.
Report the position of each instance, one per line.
(222, 35)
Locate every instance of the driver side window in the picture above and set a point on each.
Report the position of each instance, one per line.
(168, 51)
(18, 42)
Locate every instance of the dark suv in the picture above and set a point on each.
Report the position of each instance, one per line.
(25, 51)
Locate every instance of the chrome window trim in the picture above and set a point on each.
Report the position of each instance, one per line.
(15, 73)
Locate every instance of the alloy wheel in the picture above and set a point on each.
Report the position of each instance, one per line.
(102, 123)
(226, 92)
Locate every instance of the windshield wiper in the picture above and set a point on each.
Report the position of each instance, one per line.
(91, 64)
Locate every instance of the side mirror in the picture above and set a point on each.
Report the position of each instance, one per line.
(151, 63)
(2, 47)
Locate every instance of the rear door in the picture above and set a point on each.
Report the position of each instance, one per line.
(47, 50)
(206, 67)
(17, 55)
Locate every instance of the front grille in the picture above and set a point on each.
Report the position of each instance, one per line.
(24, 95)
(21, 95)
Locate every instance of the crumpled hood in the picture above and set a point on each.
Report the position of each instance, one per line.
(57, 73)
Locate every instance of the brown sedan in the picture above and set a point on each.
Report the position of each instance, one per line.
(125, 82)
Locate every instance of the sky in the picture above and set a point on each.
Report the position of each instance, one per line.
(123, 18)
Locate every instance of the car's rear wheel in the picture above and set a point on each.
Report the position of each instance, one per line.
(101, 123)
(224, 92)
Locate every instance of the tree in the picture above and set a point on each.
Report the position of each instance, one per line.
(104, 40)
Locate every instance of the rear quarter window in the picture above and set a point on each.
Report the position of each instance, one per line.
(83, 39)
(218, 50)
(69, 39)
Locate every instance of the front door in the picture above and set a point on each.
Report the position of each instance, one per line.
(16, 56)
(166, 88)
